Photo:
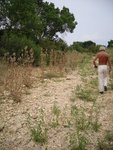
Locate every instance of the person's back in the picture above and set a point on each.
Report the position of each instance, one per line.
(103, 58)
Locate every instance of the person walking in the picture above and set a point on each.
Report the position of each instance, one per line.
(103, 63)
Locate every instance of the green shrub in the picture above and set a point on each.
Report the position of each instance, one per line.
(14, 43)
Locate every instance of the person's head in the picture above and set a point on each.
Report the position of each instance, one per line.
(102, 48)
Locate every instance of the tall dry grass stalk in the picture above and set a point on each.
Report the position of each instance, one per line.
(59, 63)
(71, 60)
(52, 64)
(3, 70)
(17, 77)
(27, 76)
(14, 82)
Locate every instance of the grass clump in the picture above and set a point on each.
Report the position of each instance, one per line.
(39, 134)
(56, 114)
(107, 142)
(85, 94)
(82, 124)
(78, 141)
(38, 128)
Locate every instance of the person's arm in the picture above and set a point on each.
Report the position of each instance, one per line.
(109, 64)
(94, 61)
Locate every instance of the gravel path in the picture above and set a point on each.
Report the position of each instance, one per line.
(14, 130)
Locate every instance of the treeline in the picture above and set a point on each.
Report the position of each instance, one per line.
(88, 46)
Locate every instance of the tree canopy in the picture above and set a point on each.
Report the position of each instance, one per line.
(35, 19)
(110, 43)
(86, 46)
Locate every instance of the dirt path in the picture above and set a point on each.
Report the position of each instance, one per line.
(14, 130)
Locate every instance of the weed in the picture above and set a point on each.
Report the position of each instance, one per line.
(111, 84)
(39, 134)
(107, 142)
(102, 145)
(94, 118)
(93, 83)
(73, 97)
(56, 113)
(85, 94)
(52, 72)
(78, 141)
(109, 136)
(80, 118)
(27, 74)
(39, 130)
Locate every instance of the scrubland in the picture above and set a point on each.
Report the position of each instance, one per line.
(55, 107)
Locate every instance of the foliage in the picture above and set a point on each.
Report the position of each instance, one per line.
(106, 142)
(56, 20)
(13, 43)
(77, 46)
(20, 17)
(110, 43)
(35, 19)
(85, 94)
(38, 130)
(39, 136)
(32, 22)
(78, 142)
(56, 113)
(86, 46)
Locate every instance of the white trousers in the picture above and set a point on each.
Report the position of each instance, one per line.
(102, 77)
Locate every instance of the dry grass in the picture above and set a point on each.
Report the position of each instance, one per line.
(3, 70)
(27, 76)
(13, 79)
(60, 63)
(71, 60)
(14, 82)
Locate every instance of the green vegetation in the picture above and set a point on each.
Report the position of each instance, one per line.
(107, 142)
(39, 136)
(56, 114)
(33, 24)
(85, 94)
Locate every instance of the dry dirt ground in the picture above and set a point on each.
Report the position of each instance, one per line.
(14, 123)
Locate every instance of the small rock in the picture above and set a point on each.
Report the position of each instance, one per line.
(68, 78)
(2, 125)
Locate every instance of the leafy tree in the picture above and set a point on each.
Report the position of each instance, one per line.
(20, 17)
(15, 44)
(110, 43)
(77, 46)
(88, 44)
(35, 19)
